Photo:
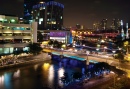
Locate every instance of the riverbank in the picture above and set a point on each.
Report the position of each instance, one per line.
(25, 62)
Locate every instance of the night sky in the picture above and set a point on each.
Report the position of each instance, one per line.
(84, 12)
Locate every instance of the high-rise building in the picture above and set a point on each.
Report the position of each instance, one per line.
(49, 15)
(96, 26)
(104, 24)
(28, 4)
(116, 23)
(14, 35)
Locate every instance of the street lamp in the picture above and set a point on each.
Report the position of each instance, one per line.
(113, 53)
(87, 57)
(97, 50)
(105, 48)
(51, 48)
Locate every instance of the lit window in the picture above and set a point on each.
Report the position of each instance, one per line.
(43, 7)
(12, 20)
(48, 13)
(60, 17)
(36, 17)
(38, 14)
(39, 22)
(41, 19)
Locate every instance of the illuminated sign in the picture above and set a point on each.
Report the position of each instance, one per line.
(58, 34)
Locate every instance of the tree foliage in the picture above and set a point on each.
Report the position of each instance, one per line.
(35, 48)
(50, 42)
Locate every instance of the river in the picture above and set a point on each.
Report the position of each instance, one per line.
(38, 76)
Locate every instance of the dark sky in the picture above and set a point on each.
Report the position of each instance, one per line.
(84, 12)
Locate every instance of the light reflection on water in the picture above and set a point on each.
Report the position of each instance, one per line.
(60, 74)
(33, 77)
(17, 74)
(51, 75)
(1, 80)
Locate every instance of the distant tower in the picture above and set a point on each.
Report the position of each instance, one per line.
(104, 24)
(127, 34)
(122, 30)
(78, 26)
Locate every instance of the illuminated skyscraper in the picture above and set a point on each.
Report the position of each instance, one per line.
(104, 24)
(96, 26)
(116, 23)
(127, 33)
(28, 4)
(49, 15)
(122, 30)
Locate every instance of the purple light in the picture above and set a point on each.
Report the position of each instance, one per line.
(57, 34)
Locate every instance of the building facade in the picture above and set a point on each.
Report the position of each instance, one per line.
(49, 15)
(15, 36)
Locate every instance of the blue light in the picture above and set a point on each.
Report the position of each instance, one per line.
(48, 3)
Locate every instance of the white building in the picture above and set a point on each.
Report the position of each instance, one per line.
(15, 36)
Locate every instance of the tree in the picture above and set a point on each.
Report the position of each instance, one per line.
(35, 48)
(59, 45)
(50, 42)
(39, 36)
(56, 43)
(120, 56)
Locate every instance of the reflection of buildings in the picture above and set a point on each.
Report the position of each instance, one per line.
(49, 15)
(14, 36)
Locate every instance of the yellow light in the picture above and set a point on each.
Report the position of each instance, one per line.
(45, 66)
(41, 2)
(45, 42)
(63, 45)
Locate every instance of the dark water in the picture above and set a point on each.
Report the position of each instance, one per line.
(37, 76)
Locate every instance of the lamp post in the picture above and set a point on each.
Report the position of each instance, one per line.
(105, 48)
(113, 53)
(51, 48)
(87, 57)
(97, 50)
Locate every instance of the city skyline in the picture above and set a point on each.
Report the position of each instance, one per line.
(85, 12)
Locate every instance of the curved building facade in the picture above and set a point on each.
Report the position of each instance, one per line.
(49, 15)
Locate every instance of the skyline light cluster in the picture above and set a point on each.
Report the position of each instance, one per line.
(84, 12)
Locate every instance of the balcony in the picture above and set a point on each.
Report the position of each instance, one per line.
(8, 45)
